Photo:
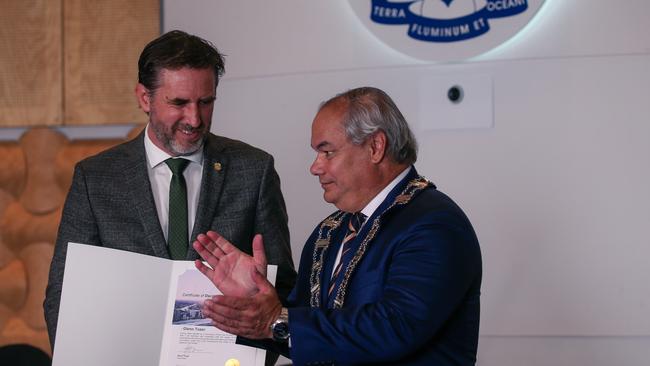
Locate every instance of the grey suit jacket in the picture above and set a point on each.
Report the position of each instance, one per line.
(110, 204)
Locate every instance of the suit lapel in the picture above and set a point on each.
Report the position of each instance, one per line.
(382, 212)
(215, 167)
(383, 209)
(137, 179)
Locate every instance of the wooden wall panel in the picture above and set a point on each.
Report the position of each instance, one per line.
(102, 42)
(35, 174)
(30, 63)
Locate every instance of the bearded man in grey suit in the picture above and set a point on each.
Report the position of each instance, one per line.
(120, 197)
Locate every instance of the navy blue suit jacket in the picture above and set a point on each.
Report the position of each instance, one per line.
(413, 298)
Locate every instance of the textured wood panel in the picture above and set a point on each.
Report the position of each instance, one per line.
(36, 173)
(30, 62)
(102, 42)
(40, 146)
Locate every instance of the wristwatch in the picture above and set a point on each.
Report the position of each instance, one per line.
(280, 327)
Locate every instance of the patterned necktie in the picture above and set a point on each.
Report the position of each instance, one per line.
(356, 220)
(177, 236)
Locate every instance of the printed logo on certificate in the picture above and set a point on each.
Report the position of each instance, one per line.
(191, 339)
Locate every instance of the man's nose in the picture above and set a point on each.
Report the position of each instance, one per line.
(193, 115)
(316, 167)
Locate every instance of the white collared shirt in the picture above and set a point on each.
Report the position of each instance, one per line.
(160, 177)
(372, 206)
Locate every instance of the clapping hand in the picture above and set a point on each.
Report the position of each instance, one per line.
(249, 303)
(232, 270)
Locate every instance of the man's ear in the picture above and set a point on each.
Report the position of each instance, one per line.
(143, 97)
(377, 146)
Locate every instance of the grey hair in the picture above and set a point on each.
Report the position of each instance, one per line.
(369, 110)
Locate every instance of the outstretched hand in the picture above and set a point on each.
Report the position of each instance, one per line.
(232, 270)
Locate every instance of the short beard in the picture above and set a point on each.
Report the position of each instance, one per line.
(171, 145)
(189, 150)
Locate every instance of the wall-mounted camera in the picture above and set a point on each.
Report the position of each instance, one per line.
(455, 94)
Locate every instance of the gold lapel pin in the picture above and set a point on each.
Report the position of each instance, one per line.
(217, 167)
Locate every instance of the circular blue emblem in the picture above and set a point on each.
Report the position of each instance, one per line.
(445, 29)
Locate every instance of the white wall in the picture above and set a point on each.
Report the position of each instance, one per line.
(557, 189)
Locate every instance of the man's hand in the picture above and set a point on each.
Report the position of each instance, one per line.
(250, 317)
(232, 270)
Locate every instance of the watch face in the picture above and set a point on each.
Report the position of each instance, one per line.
(281, 331)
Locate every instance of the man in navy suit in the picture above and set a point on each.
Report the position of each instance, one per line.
(392, 277)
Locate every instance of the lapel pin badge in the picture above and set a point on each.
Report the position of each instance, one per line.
(217, 167)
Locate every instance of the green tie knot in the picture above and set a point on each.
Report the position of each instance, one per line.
(177, 166)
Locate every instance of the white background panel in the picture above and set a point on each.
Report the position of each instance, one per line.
(557, 189)
(559, 201)
(563, 351)
(264, 37)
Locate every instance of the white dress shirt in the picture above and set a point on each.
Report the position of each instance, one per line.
(372, 206)
(160, 177)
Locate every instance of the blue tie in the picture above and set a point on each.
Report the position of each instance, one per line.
(356, 220)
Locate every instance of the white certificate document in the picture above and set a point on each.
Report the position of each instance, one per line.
(123, 308)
